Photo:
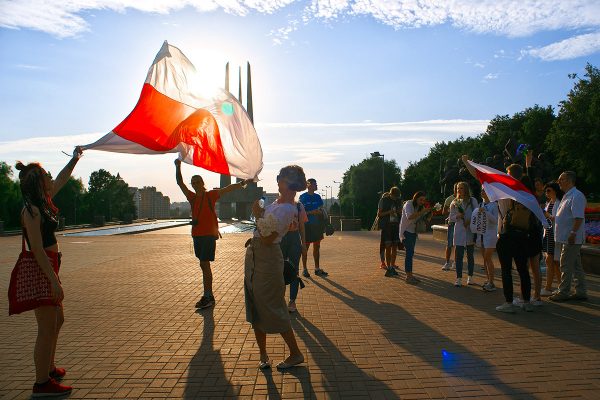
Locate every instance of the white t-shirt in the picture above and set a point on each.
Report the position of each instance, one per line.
(571, 206)
(284, 214)
(406, 224)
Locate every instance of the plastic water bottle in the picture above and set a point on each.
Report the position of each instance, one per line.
(261, 202)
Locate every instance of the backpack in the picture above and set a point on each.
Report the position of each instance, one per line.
(518, 218)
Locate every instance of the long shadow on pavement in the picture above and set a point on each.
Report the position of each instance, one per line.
(549, 319)
(410, 334)
(205, 370)
(335, 366)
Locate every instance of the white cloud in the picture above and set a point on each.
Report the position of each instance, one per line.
(577, 46)
(490, 77)
(512, 18)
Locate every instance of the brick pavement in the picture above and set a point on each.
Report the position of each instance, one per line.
(132, 331)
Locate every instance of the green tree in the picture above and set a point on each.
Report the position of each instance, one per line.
(109, 196)
(69, 201)
(360, 190)
(10, 198)
(575, 135)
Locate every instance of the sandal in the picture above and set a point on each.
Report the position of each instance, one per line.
(287, 365)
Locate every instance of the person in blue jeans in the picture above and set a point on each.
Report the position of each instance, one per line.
(412, 211)
(461, 211)
(293, 245)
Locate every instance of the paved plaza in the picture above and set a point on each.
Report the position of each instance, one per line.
(132, 331)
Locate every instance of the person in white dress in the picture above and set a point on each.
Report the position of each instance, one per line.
(488, 235)
(460, 213)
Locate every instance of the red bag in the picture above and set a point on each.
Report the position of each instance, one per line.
(29, 286)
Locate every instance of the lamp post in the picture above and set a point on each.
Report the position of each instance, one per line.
(377, 154)
(331, 191)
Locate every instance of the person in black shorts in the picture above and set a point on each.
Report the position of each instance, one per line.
(313, 204)
(388, 212)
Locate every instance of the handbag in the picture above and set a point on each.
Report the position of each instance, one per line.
(329, 229)
(29, 287)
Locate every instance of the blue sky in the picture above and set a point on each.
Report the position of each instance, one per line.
(332, 80)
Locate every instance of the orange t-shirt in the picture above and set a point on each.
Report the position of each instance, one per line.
(204, 213)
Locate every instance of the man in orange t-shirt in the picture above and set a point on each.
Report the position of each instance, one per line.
(205, 228)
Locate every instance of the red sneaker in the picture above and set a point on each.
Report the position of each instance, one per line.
(50, 388)
(58, 373)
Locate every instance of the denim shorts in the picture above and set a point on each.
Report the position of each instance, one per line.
(450, 235)
(204, 247)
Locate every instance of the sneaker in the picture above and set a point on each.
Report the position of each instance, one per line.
(57, 373)
(205, 302)
(458, 282)
(537, 302)
(446, 266)
(527, 306)
(452, 266)
(305, 273)
(395, 267)
(470, 280)
(390, 272)
(545, 292)
(577, 296)
(559, 297)
(506, 308)
(292, 307)
(411, 280)
(321, 272)
(50, 388)
(489, 287)
(517, 301)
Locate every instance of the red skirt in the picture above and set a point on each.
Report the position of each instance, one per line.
(29, 286)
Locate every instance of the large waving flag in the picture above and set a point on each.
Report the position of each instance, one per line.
(499, 185)
(172, 115)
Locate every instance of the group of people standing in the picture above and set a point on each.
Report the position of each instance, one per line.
(398, 224)
(514, 232)
(286, 229)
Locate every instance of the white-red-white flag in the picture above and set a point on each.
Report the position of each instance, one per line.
(173, 115)
(499, 185)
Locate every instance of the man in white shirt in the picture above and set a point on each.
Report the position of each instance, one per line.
(569, 228)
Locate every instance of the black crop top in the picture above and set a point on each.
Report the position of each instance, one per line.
(48, 227)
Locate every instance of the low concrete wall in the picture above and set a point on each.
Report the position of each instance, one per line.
(590, 255)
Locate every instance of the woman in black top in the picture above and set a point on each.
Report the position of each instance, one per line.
(40, 220)
(554, 196)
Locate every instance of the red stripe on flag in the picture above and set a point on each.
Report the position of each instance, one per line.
(160, 123)
(506, 180)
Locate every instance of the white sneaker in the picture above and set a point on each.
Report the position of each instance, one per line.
(545, 292)
(537, 302)
(489, 287)
(446, 266)
(517, 301)
(506, 308)
(452, 265)
(470, 280)
(458, 282)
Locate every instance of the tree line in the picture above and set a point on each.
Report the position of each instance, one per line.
(107, 196)
(566, 140)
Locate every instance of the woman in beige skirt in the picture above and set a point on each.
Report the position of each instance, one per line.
(264, 287)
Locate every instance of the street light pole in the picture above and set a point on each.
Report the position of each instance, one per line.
(377, 154)
(328, 186)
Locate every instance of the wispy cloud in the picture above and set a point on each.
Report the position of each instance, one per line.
(490, 77)
(30, 67)
(576, 46)
(513, 18)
